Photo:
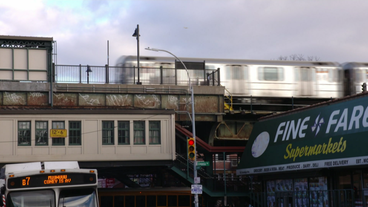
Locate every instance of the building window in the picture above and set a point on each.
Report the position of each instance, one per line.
(154, 132)
(75, 134)
(107, 132)
(123, 132)
(42, 135)
(24, 133)
(58, 125)
(139, 132)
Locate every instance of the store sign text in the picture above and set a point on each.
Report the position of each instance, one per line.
(306, 165)
(338, 120)
(325, 148)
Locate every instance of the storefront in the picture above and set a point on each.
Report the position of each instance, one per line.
(315, 156)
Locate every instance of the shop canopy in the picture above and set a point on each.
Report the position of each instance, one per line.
(332, 134)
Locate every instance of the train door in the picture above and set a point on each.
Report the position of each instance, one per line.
(305, 81)
(359, 79)
(236, 79)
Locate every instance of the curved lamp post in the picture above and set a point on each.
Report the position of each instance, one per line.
(193, 117)
(136, 34)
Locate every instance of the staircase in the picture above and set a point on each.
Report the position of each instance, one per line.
(211, 185)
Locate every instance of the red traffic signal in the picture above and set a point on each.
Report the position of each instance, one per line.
(191, 149)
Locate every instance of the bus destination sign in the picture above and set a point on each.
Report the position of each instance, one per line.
(51, 179)
(43, 180)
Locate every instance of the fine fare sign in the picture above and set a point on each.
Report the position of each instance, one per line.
(328, 136)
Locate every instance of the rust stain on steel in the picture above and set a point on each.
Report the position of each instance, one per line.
(65, 99)
(202, 104)
(185, 103)
(37, 99)
(15, 98)
(185, 106)
(234, 130)
(119, 100)
(147, 101)
(170, 102)
(206, 104)
(91, 99)
(205, 117)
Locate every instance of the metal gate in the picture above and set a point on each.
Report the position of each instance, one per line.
(319, 198)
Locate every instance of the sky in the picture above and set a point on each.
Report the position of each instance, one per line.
(330, 30)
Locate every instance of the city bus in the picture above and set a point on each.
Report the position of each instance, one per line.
(51, 184)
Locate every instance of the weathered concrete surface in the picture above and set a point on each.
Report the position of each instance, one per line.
(119, 100)
(170, 102)
(147, 101)
(14, 99)
(65, 99)
(208, 99)
(91, 99)
(206, 104)
(37, 99)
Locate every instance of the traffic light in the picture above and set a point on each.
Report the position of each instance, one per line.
(364, 87)
(191, 149)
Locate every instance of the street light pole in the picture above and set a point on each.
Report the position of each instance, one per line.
(136, 34)
(193, 118)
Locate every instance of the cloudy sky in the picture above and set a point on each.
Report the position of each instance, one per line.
(236, 29)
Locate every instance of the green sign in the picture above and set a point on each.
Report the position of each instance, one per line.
(332, 135)
(202, 164)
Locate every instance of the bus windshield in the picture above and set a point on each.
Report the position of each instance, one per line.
(37, 198)
(78, 198)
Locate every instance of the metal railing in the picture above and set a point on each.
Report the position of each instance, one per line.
(214, 182)
(129, 75)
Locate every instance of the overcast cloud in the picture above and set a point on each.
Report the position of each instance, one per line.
(234, 29)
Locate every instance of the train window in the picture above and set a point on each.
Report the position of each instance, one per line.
(151, 201)
(296, 74)
(333, 75)
(306, 74)
(172, 201)
(360, 75)
(118, 201)
(129, 201)
(140, 201)
(161, 200)
(236, 72)
(271, 73)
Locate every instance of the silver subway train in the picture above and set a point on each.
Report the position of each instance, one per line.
(256, 78)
